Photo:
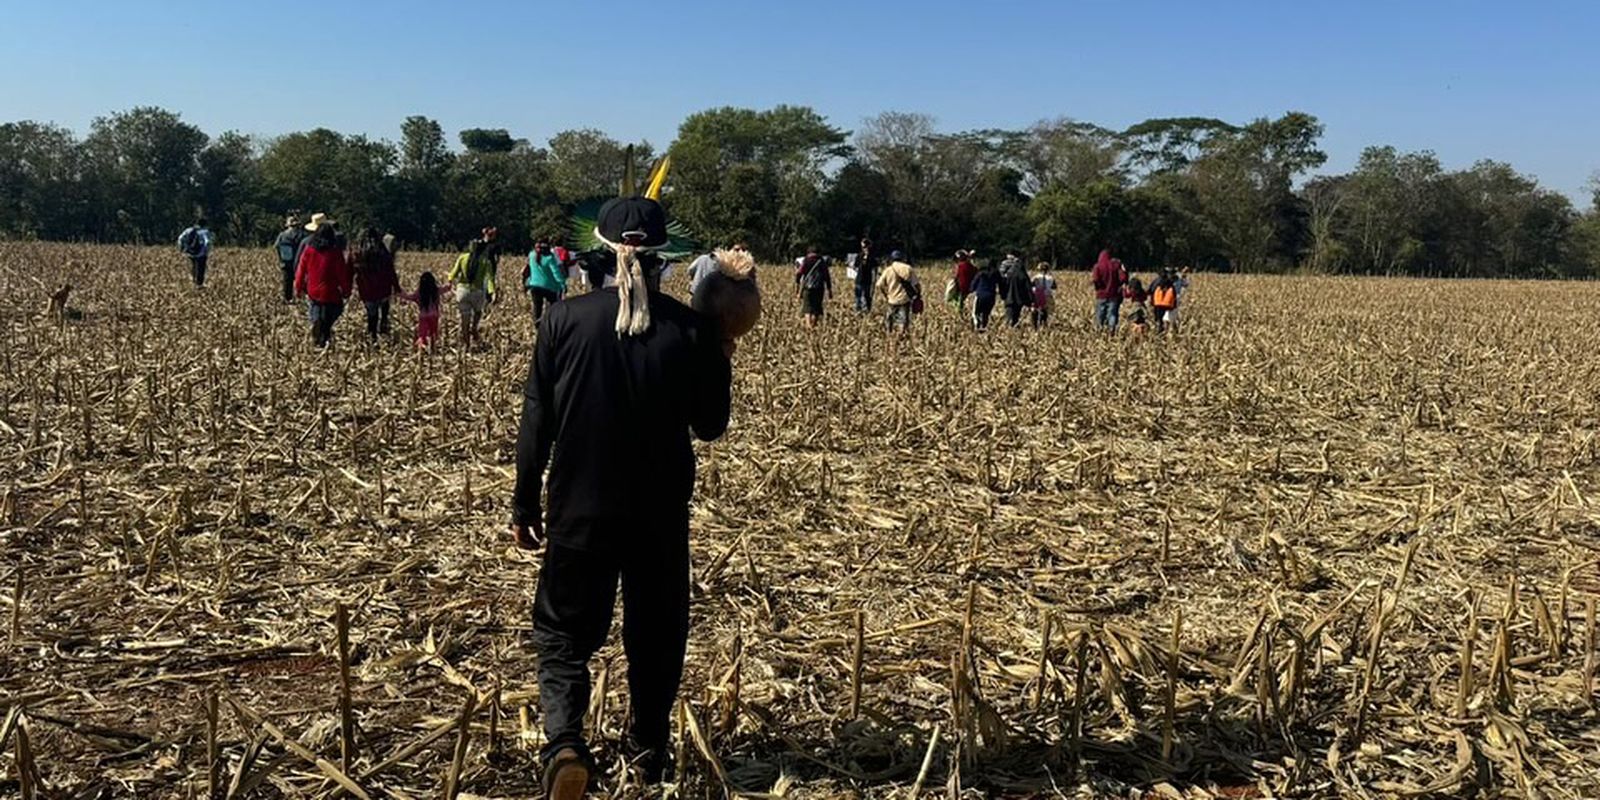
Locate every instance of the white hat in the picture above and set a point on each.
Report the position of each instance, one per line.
(318, 220)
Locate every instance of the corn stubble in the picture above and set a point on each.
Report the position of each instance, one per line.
(1337, 538)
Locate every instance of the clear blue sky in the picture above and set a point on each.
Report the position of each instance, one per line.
(1468, 79)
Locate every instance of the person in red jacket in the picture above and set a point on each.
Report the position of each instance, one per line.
(965, 272)
(1108, 278)
(322, 276)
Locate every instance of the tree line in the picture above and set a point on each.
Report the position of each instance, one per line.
(1191, 190)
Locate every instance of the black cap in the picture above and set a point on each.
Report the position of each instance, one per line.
(637, 218)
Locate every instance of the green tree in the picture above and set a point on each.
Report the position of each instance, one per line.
(143, 163)
(586, 163)
(753, 175)
(229, 185)
(488, 140)
(41, 188)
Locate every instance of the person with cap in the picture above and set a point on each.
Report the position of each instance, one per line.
(620, 379)
(901, 290)
(323, 277)
(865, 263)
(195, 243)
(287, 247)
(812, 282)
(473, 276)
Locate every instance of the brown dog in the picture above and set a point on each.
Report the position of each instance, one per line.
(57, 310)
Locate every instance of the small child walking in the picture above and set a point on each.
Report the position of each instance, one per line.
(426, 299)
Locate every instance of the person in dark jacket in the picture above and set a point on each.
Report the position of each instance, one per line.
(865, 262)
(323, 278)
(287, 248)
(376, 280)
(620, 378)
(812, 282)
(1016, 288)
(985, 290)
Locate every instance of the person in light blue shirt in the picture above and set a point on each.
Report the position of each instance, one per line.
(195, 243)
(545, 278)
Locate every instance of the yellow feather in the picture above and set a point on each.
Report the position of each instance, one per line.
(658, 178)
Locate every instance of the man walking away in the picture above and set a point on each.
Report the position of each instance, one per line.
(813, 281)
(195, 243)
(901, 291)
(865, 262)
(620, 378)
(287, 246)
(1108, 278)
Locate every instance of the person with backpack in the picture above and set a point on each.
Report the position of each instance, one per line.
(1017, 288)
(473, 276)
(1108, 278)
(985, 292)
(622, 380)
(323, 278)
(545, 278)
(287, 248)
(1044, 292)
(864, 262)
(812, 281)
(195, 244)
(376, 280)
(901, 290)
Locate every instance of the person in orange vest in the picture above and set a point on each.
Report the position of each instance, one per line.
(1164, 294)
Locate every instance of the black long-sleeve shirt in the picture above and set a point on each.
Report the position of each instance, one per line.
(611, 416)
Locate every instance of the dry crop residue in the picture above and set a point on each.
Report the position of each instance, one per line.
(1368, 508)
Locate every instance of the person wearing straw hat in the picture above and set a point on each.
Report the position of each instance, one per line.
(620, 379)
(323, 277)
(287, 247)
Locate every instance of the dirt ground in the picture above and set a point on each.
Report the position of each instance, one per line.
(953, 562)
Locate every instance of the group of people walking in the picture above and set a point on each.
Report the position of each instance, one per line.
(1157, 301)
(975, 290)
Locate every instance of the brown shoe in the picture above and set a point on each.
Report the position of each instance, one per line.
(566, 777)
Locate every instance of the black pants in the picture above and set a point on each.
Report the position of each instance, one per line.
(197, 267)
(288, 282)
(377, 319)
(572, 613)
(1013, 315)
(981, 309)
(323, 316)
(1041, 317)
(542, 298)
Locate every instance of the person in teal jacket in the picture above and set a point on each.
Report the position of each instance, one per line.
(545, 278)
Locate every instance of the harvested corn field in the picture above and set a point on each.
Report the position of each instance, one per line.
(1339, 538)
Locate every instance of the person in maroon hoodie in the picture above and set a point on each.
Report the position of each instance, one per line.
(376, 280)
(322, 276)
(1108, 278)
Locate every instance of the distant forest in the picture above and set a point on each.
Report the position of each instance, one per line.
(1206, 192)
